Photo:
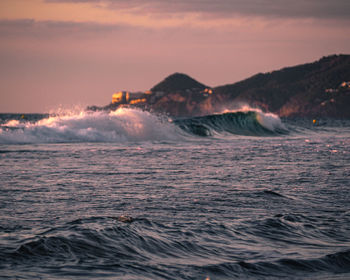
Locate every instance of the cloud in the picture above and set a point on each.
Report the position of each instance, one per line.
(56, 60)
(29, 28)
(336, 9)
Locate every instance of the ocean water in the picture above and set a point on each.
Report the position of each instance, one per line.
(132, 195)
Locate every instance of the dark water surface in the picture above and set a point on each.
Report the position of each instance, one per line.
(218, 207)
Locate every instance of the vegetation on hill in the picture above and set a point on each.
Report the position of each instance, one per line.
(318, 89)
(311, 89)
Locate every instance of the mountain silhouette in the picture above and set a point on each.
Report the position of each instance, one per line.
(318, 89)
(178, 82)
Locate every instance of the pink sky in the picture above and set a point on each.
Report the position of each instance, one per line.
(62, 54)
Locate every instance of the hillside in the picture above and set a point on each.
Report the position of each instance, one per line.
(311, 89)
(178, 82)
(318, 89)
(308, 90)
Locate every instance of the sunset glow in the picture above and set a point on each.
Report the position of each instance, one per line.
(174, 139)
(79, 52)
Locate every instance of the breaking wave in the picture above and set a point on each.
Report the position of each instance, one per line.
(247, 121)
(127, 124)
(115, 126)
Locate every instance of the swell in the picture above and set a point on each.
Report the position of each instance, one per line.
(147, 248)
(337, 263)
(121, 240)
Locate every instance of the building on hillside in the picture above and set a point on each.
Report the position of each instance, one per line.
(125, 97)
(137, 101)
(207, 91)
(120, 97)
(342, 86)
(345, 85)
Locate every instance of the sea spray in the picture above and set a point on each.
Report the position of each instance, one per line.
(120, 125)
(132, 124)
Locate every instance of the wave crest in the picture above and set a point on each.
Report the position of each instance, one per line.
(245, 121)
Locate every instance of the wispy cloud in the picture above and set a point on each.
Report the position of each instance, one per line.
(158, 14)
(338, 9)
(25, 28)
(72, 51)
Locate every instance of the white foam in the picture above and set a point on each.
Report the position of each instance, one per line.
(116, 126)
(268, 120)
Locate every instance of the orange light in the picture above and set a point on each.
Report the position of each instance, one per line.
(136, 101)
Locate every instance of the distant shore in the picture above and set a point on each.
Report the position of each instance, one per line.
(315, 90)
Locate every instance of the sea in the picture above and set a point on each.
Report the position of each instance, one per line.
(130, 194)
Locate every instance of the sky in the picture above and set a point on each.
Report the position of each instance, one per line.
(67, 54)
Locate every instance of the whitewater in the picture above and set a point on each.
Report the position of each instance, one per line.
(129, 194)
(127, 124)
